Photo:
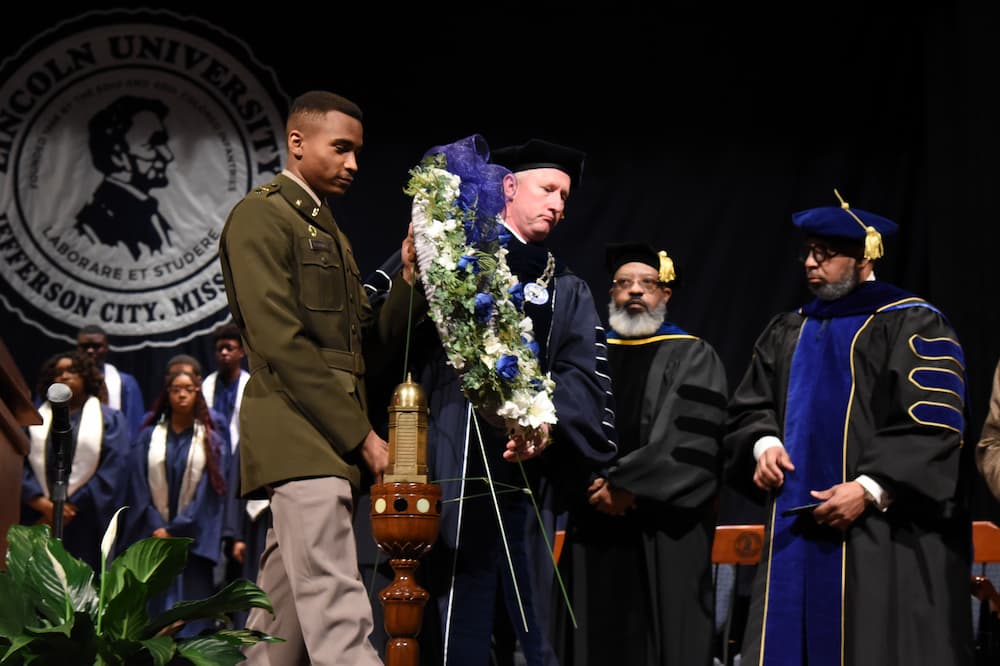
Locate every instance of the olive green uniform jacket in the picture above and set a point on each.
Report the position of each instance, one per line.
(295, 291)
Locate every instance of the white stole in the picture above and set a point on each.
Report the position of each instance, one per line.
(87, 455)
(208, 390)
(254, 507)
(113, 382)
(156, 461)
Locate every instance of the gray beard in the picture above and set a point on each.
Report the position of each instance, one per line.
(640, 325)
(831, 291)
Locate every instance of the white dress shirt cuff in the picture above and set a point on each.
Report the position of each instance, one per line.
(763, 444)
(877, 493)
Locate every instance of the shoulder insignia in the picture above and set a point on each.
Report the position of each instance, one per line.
(268, 189)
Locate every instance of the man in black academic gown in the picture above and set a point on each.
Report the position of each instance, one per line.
(856, 401)
(642, 529)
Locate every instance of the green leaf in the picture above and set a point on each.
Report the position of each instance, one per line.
(121, 651)
(79, 578)
(244, 637)
(70, 643)
(210, 651)
(162, 649)
(238, 595)
(46, 578)
(57, 582)
(125, 614)
(21, 545)
(16, 644)
(11, 655)
(16, 609)
(153, 561)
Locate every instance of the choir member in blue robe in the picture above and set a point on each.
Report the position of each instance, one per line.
(123, 389)
(177, 488)
(98, 461)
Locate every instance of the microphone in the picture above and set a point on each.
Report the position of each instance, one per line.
(58, 396)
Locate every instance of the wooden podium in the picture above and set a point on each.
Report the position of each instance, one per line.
(16, 411)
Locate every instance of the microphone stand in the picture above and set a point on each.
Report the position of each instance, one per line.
(58, 396)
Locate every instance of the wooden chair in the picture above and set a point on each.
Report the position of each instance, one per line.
(734, 544)
(737, 544)
(986, 550)
(742, 544)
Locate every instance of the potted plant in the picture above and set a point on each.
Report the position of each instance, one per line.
(56, 611)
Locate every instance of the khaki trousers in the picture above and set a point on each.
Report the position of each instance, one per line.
(309, 569)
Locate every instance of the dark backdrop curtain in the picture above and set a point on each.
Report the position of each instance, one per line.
(705, 130)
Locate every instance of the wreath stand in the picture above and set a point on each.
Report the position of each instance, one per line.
(405, 515)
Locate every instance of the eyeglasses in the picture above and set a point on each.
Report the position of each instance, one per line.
(174, 390)
(647, 284)
(820, 252)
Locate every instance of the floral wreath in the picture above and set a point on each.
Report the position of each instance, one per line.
(475, 301)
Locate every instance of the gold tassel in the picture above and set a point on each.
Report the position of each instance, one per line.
(666, 268)
(873, 239)
(873, 243)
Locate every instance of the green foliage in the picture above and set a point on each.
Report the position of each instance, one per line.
(53, 612)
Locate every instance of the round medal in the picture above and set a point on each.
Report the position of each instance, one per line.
(536, 293)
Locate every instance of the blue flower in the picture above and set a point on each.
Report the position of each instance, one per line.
(507, 367)
(484, 306)
(531, 344)
(517, 295)
(470, 262)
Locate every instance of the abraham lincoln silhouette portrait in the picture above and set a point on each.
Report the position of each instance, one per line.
(128, 144)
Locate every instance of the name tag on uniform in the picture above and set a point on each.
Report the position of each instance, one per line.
(319, 244)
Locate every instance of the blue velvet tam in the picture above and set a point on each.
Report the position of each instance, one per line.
(541, 154)
(848, 223)
(837, 222)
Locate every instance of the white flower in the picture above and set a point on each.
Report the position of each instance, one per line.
(435, 230)
(516, 407)
(111, 533)
(456, 360)
(541, 410)
(492, 345)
